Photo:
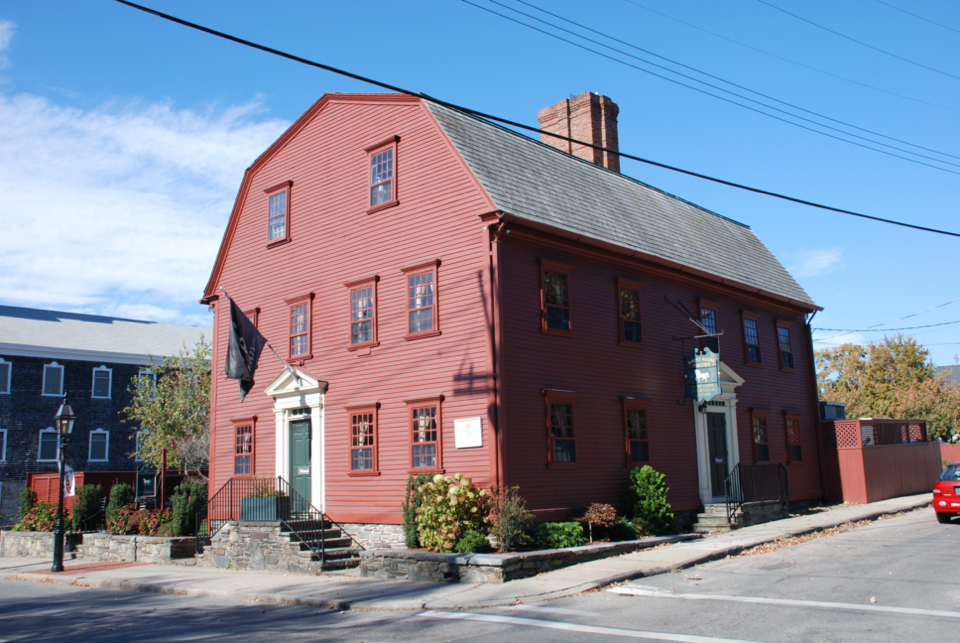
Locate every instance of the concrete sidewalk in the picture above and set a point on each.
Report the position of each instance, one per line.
(346, 590)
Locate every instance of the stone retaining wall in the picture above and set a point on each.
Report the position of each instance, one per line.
(492, 568)
(756, 513)
(141, 549)
(26, 544)
(373, 536)
(256, 546)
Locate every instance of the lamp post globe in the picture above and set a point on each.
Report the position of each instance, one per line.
(63, 422)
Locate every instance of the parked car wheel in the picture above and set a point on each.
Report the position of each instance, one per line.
(943, 518)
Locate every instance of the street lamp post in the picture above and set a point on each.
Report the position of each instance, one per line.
(63, 421)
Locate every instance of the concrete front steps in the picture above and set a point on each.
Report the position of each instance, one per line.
(272, 546)
(713, 519)
(714, 516)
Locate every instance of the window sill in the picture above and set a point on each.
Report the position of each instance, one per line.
(428, 333)
(278, 242)
(788, 370)
(357, 347)
(624, 342)
(98, 460)
(99, 397)
(51, 395)
(299, 358)
(754, 364)
(414, 472)
(634, 465)
(556, 331)
(362, 474)
(795, 464)
(563, 465)
(382, 206)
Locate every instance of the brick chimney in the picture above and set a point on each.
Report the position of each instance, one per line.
(589, 117)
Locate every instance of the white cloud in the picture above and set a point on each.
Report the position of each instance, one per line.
(120, 209)
(814, 263)
(7, 29)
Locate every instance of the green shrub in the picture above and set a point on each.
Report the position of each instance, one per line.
(473, 542)
(187, 499)
(86, 506)
(621, 530)
(645, 502)
(42, 516)
(509, 518)
(450, 507)
(120, 496)
(558, 535)
(26, 501)
(411, 502)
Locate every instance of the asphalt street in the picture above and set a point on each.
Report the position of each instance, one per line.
(890, 580)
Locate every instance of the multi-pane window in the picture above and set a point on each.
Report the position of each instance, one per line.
(381, 177)
(631, 331)
(420, 288)
(761, 441)
(362, 315)
(277, 222)
(751, 338)
(300, 329)
(786, 352)
(243, 449)
(101, 382)
(638, 443)
(556, 300)
(3, 445)
(5, 375)
(49, 445)
(363, 441)
(562, 445)
(99, 441)
(146, 379)
(794, 450)
(53, 379)
(708, 318)
(424, 437)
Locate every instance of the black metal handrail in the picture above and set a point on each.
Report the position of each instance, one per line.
(755, 483)
(265, 500)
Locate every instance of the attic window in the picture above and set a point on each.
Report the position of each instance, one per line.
(278, 213)
(382, 168)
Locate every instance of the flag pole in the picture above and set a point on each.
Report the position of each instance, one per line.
(286, 366)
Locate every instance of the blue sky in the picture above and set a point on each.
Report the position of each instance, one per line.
(124, 137)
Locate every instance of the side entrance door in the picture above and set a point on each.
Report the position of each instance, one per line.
(717, 439)
(301, 473)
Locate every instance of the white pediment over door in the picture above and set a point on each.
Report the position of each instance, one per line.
(288, 385)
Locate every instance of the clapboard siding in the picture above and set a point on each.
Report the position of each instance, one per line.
(601, 371)
(334, 240)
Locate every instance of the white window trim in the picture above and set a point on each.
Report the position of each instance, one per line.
(106, 451)
(5, 387)
(49, 429)
(43, 387)
(93, 383)
(136, 447)
(3, 450)
(143, 372)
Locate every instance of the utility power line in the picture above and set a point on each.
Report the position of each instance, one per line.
(859, 42)
(723, 80)
(919, 17)
(505, 121)
(788, 60)
(878, 330)
(702, 91)
(847, 332)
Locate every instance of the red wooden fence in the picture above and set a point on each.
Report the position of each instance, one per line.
(950, 452)
(46, 485)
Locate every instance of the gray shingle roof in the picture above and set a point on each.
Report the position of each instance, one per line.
(28, 331)
(539, 184)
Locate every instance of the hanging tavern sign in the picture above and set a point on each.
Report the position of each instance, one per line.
(701, 373)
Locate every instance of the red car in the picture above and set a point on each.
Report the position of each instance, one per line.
(946, 493)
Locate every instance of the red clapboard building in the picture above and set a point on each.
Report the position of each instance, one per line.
(456, 297)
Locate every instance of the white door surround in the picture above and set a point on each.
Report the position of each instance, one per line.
(725, 403)
(292, 396)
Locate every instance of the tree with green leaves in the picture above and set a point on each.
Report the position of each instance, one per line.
(890, 378)
(173, 410)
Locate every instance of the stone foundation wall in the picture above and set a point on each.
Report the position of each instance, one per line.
(492, 568)
(26, 544)
(373, 536)
(756, 513)
(256, 546)
(141, 549)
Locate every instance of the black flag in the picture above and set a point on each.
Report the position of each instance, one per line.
(244, 349)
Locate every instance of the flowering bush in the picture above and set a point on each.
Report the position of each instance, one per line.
(133, 521)
(41, 517)
(450, 507)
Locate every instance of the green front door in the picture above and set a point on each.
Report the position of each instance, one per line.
(301, 471)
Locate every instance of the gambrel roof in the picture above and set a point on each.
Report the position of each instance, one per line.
(541, 185)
